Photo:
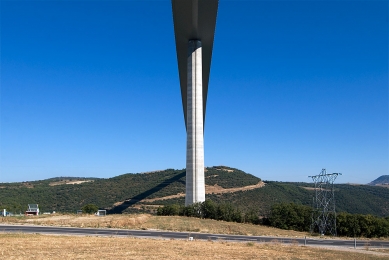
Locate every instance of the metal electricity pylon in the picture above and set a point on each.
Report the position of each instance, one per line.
(324, 215)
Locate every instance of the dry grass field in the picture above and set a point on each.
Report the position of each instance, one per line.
(145, 221)
(34, 246)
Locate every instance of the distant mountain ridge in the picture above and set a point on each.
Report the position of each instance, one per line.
(383, 180)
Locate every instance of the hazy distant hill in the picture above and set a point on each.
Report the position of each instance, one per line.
(131, 192)
(383, 180)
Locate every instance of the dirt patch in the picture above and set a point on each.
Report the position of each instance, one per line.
(49, 219)
(224, 169)
(152, 172)
(77, 182)
(178, 195)
(308, 188)
(28, 185)
(211, 176)
(312, 188)
(56, 183)
(215, 189)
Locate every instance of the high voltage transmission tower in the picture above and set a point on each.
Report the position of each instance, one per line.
(324, 215)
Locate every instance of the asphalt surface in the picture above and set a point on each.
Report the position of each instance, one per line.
(187, 235)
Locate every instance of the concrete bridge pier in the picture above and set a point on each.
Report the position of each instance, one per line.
(195, 186)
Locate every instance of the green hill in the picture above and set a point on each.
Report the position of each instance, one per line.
(52, 196)
(361, 199)
(131, 192)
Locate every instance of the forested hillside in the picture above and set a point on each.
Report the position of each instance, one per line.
(106, 192)
(128, 192)
(361, 199)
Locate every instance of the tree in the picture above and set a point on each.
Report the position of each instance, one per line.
(193, 210)
(252, 217)
(208, 208)
(169, 210)
(90, 209)
(227, 212)
(290, 216)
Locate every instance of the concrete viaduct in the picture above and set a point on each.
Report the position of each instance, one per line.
(194, 29)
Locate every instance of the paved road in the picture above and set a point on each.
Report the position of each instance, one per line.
(186, 235)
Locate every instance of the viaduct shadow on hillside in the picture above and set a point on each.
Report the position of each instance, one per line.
(128, 203)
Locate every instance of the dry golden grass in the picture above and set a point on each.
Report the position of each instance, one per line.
(110, 221)
(146, 221)
(175, 223)
(33, 246)
(383, 250)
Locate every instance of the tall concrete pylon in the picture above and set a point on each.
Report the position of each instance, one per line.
(194, 29)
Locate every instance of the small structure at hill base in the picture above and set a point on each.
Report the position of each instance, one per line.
(33, 209)
(101, 212)
(324, 214)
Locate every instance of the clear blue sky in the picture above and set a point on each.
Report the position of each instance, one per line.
(91, 88)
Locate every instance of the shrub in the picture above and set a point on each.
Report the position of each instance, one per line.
(90, 209)
(291, 216)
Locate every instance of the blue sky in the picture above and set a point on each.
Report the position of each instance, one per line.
(91, 88)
